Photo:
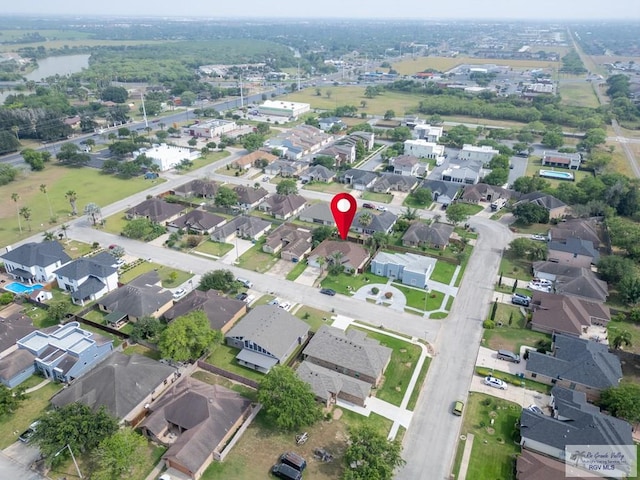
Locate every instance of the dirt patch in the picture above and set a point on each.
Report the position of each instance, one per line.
(630, 365)
(491, 430)
(337, 414)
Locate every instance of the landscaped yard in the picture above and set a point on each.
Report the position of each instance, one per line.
(443, 272)
(144, 351)
(213, 379)
(297, 270)
(209, 158)
(313, 317)
(409, 201)
(346, 284)
(224, 357)
(257, 260)
(164, 272)
(517, 268)
(496, 442)
(76, 249)
(377, 197)
(217, 249)
(511, 337)
(115, 223)
(421, 299)
(632, 328)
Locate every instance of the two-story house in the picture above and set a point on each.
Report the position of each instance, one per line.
(35, 262)
(88, 278)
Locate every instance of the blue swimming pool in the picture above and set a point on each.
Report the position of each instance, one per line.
(20, 288)
(556, 175)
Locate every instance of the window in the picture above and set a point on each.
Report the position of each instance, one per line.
(534, 375)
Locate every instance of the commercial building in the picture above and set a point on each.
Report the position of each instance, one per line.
(167, 156)
(211, 128)
(482, 154)
(279, 108)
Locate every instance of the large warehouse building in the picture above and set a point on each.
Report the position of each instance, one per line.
(279, 108)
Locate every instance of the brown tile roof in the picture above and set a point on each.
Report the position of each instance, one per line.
(219, 310)
(566, 314)
(352, 255)
(253, 156)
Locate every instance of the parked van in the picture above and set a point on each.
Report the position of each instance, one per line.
(508, 356)
(294, 460)
(245, 282)
(498, 204)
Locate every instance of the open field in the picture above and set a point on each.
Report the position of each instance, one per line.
(415, 65)
(255, 259)
(332, 187)
(578, 94)
(89, 184)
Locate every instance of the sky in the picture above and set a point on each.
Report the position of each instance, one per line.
(413, 9)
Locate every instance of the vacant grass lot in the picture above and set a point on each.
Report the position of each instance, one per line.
(495, 442)
(511, 337)
(332, 187)
(89, 184)
(443, 272)
(214, 248)
(164, 272)
(578, 94)
(377, 197)
(313, 317)
(346, 284)
(257, 260)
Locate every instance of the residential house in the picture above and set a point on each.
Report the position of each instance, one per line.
(244, 226)
(409, 268)
(571, 161)
(342, 153)
(291, 241)
(577, 364)
(533, 466)
(407, 165)
(328, 385)
(247, 161)
(483, 154)
(420, 234)
(13, 326)
(351, 353)
(222, 312)
(589, 229)
(195, 421)
(574, 252)
(428, 133)
(319, 213)
(317, 173)
(299, 141)
(142, 297)
(122, 384)
(327, 123)
(555, 207)
(367, 138)
(250, 197)
(88, 278)
(196, 221)
(353, 257)
(443, 193)
(156, 210)
(469, 174)
(423, 149)
(283, 207)
(64, 354)
(570, 315)
(34, 262)
(392, 182)
(482, 192)
(285, 168)
(379, 222)
(358, 179)
(579, 282)
(574, 423)
(197, 188)
(266, 336)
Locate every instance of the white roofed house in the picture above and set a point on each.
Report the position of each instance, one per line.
(482, 153)
(423, 149)
(428, 133)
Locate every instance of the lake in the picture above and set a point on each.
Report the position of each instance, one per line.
(62, 65)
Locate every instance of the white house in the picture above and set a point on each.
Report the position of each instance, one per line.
(423, 149)
(34, 262)
(482, 154)
(212, 128)
(167, 156)
(428, 133)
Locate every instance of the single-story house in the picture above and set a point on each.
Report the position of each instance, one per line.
(578, 282)
(197, 188)
(35, 262)
(88, 278)
(291, 241)
(352, 256)
(243, 226)
(285, 168)
(482, 192)
(577, 364)
(196, 221)
(574, 252)
(358, 179)
(583, 228)
(317, 173)
(266, 336)
(319, 213)
(562, 314)
(571, 161)
(420, 234)
(156, 210)
(443, 193)
(533, 466)
(283, 207)
(222, 312)
(409, 268)
(379, 222)
(123, 384)
(13, 326)
(249, 160)
(249, 197)
(329, 385)
(391, 181)
(555, 207)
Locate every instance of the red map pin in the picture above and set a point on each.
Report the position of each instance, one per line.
(343, 208)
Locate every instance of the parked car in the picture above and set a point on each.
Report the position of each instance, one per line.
(241, 296)
(328, 291)
(285, 306)
(508, 356)
(294, 460)
(495, 382)
(535, 409)
(25, 436)
(525, 297)
(520, 301)
(381, 208)
(457, 408)
(539, 237)
(179, 293)
(287, 472)
(245, 282)
(368, 205)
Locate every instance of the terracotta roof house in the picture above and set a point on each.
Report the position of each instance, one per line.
(330, 385)
(555, 207)
(380, 222)
(533, 466)
(394, 182)
(482, 192)
(406, 165)
(561, 314)
(571, 161)
(352, 256)
(156, 210)
(291, 241)
(578, 282)
(573, 424)
(574, 252)
(249, 197)
(420, 234)
(195, 421)
(588, 229)
(442, 192)
(351, 353)
(409, 268)
(196, 221)
(197, 188)
(317, 173)
(319, 213)
(222, 312)
(142, 297)
(243, 226)
(88, 278)
(283, 207)
(249, 160)
(61, 354)
(358, 179)
(34, 262)
(576, 363)
(123, 384)
(266, 336)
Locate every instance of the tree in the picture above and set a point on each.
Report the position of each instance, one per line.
(530, 184)
(25, 212)
(400, 134)
(8, 143)
(15, 197)
(7, 173)
(192, 142)
(48, 236)
(226, 197)
(620, 338)
(457, 213)
(287, 187)
(528, 213)
(188, 337)
(288, 402)
(71, 155)
(422, 196)
(43, 189)
(622, 401)
(10, 399)
(114, 94)
(411, 214)
(379, 240)
(222, 280)
(365, 219)
(335, 263)
(76, 425)
(629, 289)
(552, 139)
(93, 211)
(325, 160)
(370, 455)
(33, 158)
(389, 114)
(118, 453)
(147, 328)
(320, 234)
(497, 176)
(72, 197)
(57, 310)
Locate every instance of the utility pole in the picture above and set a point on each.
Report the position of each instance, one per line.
(298, 75)
(241, 93)
(144, 111)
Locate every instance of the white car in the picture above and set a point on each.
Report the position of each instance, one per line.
(495, 383)
(381, 208)
(535, 409)
(541, 238)
(179, 293)
(539, 287)
(285, 306)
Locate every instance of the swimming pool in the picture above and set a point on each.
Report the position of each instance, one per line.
(556, 175)
(20, 288)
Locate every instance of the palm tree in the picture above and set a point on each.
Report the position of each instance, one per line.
(335, 263)
(25, 212)
(365, 220)
(162, 125)
(72, 196)
(43, 189)
(15, 197)
(410, 213)
(622, 337)
(64, 227)
(49, 236)
(321, 261)
(92, 210)
(15, 129)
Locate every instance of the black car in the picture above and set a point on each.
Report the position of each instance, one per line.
(368, 205)
(328, 291)
(282, 470)
(241, 296)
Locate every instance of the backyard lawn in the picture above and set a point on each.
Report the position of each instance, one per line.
(164, 272)
(217, 249)
(377, 197)
(257, 260)
(443, 272)
(345, 284)
(632, 328)
(224, 357)
(496, 442)
(314, 318)
(511, 337)
(144, 351)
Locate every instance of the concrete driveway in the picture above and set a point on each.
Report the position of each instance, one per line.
(514, 394)
(281, 268)
(240, 246)
(489, 358)
(308, 276)
(16, 459)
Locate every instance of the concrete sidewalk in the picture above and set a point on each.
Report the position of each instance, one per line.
(464, 464)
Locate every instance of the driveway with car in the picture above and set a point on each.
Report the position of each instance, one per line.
(513, 393)
(488, 358)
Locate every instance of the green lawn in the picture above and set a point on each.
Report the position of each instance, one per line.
(401, 366)
(416, 391)
(297, 270)
(443, 272)
(26, 413)
(632, 328)
(144, 351)
(213, 379)
(409, 201)
(257, 260)
(377, 197)
(578, 94)
(263, 300)
(416, 298)
(217, 249)
(314, 318)
(535, 164)
(515, 268)
(332, 187)
(115, 223)
(471, 209)
(163, 271)
(511, 337)
(209, 158)
(514, 380)
(224, 357)
(345, 283)
(496, 442)
(89, 184)
(76, 249)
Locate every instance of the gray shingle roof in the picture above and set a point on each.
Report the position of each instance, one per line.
(245, 225)
(325, 382)
(40, 254)
(575, 246)
(283, 204)
(359, 177)
(13, 326)
(250, 195)
(138, 298)
(199, 188)
(318, 211)
(319, 171)
(198, 220)
(119, 383)
(156, 210)
(565, 314)
(543, 199)
(83, 267)
(15, 362)
(381, 222)
(578, 360)
(436, 234)
(219, 310)
(394, 180)
(353, 255)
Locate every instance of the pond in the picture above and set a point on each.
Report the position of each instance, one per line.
(61, 65)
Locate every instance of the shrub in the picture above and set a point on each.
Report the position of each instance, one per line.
(375, 290)
(388, 295)
(489, 324)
